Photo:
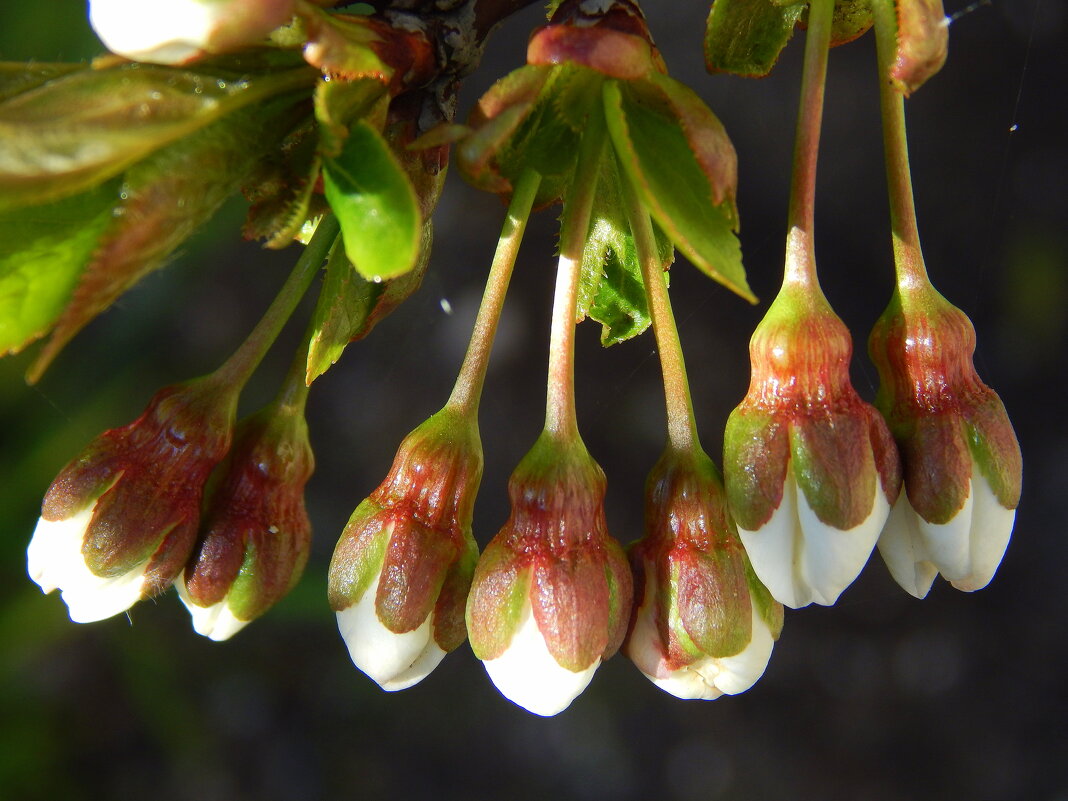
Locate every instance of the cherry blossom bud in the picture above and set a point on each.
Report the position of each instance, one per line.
(703, 624)
(551, 594)
(118, 523)
(811, 470)
(255, 534)
(178, 31)
(962, 464)
(402, 567)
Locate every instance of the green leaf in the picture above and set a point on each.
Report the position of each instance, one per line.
(852, 19)
(340, 103)
(532, 119)
(42, 252)
(349, 305)
(745, 37)
(17, 77)
(375, 204)
(611, 289)
(162, 201)
(85, 127)
(660, 163)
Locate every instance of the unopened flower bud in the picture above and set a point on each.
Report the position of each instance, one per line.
(962, 464)
(811, 470)
(551, 594)
(255, 536)
(118, 523)
(703, 624)
(177, 31)
(402, 567)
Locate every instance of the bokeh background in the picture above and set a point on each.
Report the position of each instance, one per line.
(881, 697)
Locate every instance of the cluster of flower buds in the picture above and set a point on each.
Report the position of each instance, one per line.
(123, 521)
(185, 495)
(814, 477)
(118, 523)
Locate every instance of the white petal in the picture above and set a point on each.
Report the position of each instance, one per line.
(802, 560)
(736, 674)
(831, 558)
(394, 661)
(174, 31)
(54, 560)
(161, 32)
(773, 550)
(991, 528)
(216, 622)
(948, 544)
(528, 675)
(903, 550)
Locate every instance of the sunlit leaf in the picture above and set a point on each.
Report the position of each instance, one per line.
(17, 77)
(73, 132)
(350, 306)
(745, 37)
(42, 252)
(611, 290)
(162, 201)
(659, 162)
(375, 204)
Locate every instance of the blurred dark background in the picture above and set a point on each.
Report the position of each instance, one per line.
(881, 697)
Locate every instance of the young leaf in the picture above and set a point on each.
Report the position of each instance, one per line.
(350, 306)
(662, 166)
(745, 37)
(42, 252)
(78, 130)
(164, 199)
(611, 290)
(17, 77)
(375, 205)
(339, 103)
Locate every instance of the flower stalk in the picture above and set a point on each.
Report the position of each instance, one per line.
(468, 388)
(560, 417)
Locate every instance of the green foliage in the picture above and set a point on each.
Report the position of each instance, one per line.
(375, 203)
(660, 163)
(42, 252)
(350, 305)
(71, 133)
(745, 37)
